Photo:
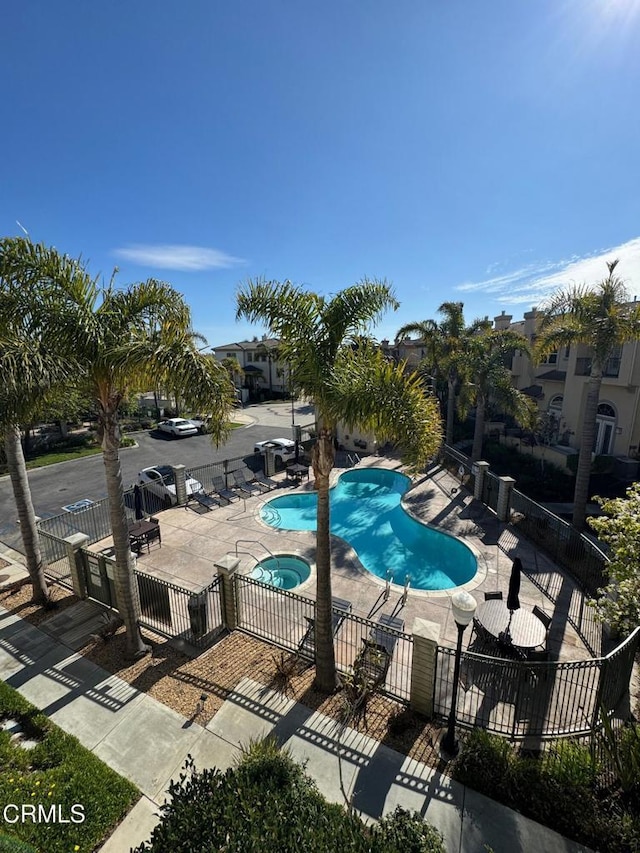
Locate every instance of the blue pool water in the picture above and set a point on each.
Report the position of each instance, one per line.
(284, 571)
(366, 512)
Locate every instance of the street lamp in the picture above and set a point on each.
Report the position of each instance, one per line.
(464, 607)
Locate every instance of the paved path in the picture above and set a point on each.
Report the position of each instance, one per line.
(148, 743)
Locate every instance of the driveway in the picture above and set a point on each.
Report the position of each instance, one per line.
(56, 485)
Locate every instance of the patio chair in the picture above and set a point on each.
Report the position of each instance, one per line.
(244, 485)
(339, 609)
(222, 491)
(383, 638)
(546, 621)
(493, 595)
(207, 502)
(373, 662)
(264, 482)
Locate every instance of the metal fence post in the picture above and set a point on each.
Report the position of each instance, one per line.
(504, 497)
(227, 567)
(74, 545)
(423, 665)
(180, 474)
(478, 486)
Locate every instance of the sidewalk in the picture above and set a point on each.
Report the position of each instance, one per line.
(148, 743)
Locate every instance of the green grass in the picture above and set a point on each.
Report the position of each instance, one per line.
(66, 454)
(58, 771)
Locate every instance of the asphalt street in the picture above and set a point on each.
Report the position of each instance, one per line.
(56, 485)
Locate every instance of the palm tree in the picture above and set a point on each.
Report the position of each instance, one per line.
(488, 377)
(352, 384)
(30, 368)
(135, 338)
(603, 319)
(446, 342)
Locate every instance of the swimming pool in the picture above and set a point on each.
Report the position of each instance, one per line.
(366, 512)
(284, 571)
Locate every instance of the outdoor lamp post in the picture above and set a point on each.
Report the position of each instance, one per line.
(464, 607)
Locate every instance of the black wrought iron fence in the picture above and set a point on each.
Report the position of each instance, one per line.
(93, 519)
(175, 612)
(214, 473)
(490, 489)
(279, 616)
(54, 553)
(396, 651)
(519, 699)
(286, 619)
(459, 465)
(523, 699)
(572, 550)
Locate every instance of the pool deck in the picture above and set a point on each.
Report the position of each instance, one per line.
(192, 542)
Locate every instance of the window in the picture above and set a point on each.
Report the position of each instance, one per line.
(555, 404)
(552, 358)
(566, 351)
(230, 355)
(612, 364)
(583, 367)
(249, 356)
(605, 429)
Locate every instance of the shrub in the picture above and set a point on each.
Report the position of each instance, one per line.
(558, 789)
(267, 802)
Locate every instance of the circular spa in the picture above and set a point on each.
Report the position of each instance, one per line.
(284, 571)
(367, 512)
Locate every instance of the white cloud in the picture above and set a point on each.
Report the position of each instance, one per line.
(174, 257)
(532, 284)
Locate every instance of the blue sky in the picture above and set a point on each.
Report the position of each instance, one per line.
(484, 152)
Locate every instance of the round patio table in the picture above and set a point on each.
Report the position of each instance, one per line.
(526, 630)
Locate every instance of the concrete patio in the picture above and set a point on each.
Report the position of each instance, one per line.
(193, 540)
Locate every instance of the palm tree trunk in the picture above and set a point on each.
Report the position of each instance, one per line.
(583, 473)
(26, 514)
(126, 593)
(323, 458)
(478, 433)
(451, 408)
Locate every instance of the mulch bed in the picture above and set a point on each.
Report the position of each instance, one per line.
(179, 681)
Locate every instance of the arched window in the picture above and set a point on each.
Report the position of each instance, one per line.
(605, 429)
(555, 404)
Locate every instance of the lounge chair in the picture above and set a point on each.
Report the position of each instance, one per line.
(373, 662)
(223, 491)
(244, 485)
(204, 500)
(383, 638)
(339, 609)
(265, 482)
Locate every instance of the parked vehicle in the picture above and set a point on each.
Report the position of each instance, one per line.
(200, 422)
(284, 449)
(161, 481)
(178, 427)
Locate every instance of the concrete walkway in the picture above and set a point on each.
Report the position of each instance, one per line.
(148, 743)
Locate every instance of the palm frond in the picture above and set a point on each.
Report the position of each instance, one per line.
(376, 395)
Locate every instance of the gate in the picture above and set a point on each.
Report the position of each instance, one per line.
(98, 577)
(178, 613)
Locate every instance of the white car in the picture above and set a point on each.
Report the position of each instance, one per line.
(178, 427)
(284, 449)
(162, 482)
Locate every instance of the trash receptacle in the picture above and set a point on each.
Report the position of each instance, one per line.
(197, 606)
